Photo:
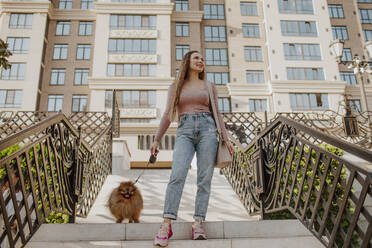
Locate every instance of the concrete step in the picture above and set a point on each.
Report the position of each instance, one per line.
(292, 242)
(221, 234)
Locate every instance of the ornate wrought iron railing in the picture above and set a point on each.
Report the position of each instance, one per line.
(51, 166)
(281, 170)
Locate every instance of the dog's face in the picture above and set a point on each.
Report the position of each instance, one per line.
(127, 190)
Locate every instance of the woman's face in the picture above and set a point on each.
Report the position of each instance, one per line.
(197, 62)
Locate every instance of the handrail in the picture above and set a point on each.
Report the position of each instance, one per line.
(351, 148)
(37, 128)
(52, 169)
(281, 169)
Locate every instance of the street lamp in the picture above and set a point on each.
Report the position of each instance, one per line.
(359, 67)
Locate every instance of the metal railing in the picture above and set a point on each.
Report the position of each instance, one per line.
(50, 163)
(283, 169)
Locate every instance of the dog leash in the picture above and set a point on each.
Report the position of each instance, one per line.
(151, 161)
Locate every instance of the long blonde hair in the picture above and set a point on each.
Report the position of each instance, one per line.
(182, 75)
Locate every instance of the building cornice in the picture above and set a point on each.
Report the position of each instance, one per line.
(337, 87)
(249, 89)
(133, 8)
(146, 129)
(130, 83)
(72, 14)
(25, 6)
(187, 16)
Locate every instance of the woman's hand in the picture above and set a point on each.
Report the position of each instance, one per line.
(154, 148)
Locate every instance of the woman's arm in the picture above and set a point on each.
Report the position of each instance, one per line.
(165, 122)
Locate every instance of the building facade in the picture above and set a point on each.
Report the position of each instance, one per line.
(270, 55)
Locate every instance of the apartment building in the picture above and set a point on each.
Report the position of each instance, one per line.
(303, 73)
(352, 23)
(68, 57)
(270, 55)
(22, 26)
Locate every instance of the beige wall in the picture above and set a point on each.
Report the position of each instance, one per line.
(33, 57)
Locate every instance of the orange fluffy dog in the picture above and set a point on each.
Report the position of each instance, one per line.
(126, 202)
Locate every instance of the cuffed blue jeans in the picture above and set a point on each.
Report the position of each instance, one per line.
(196, 133)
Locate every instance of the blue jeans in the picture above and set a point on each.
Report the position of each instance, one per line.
(196, 132)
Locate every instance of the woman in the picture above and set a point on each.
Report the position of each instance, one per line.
(188, 97)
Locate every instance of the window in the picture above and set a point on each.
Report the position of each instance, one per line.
(58, 76)
(346, 55)
(132, 22)
(85, 28)
(296, 6)
(215, 33)
(86, 4)
(297, 51)
(83, 51)
(255, 77)
(367, 35)
(364, 1)
(166, 143)
(216, 56)
(348, 77)
(257, 105)
(253, 53)
(220, 78)
(20, 21)
(81, 76)
(181, 5)
(305, 73)
(299, 28)
(224, 105)
(335, 11)
(340, 32)
(139, 98)
(182, 29)
(365, 15)
(18, 45)
(16, 72)
(131, 70)
(251, 30)
(108, 99)
(60, 51)
(10, 98)
(79, 103)
(181, 50)
(132, 46)
(248, 9)
(63, 28)
(55, 102)
(65, 4)
(177, 72)
(355, 105)
(308, 101)
(214, 11)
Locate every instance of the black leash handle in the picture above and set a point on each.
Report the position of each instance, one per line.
(152, 160)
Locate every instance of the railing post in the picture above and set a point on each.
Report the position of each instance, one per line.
(258, 157)
(76, 178)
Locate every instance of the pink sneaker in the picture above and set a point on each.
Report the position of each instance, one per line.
(198, 232)
(164, 233)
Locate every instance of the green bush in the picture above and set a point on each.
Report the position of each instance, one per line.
(339, 191)
(53, 217)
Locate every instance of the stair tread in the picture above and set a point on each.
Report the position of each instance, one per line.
(306, 242)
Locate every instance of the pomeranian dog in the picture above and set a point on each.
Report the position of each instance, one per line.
(126, 202)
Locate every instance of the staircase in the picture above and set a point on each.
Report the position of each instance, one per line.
(221, 234)
(228, 224)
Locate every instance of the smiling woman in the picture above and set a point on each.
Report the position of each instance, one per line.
(188, 99)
